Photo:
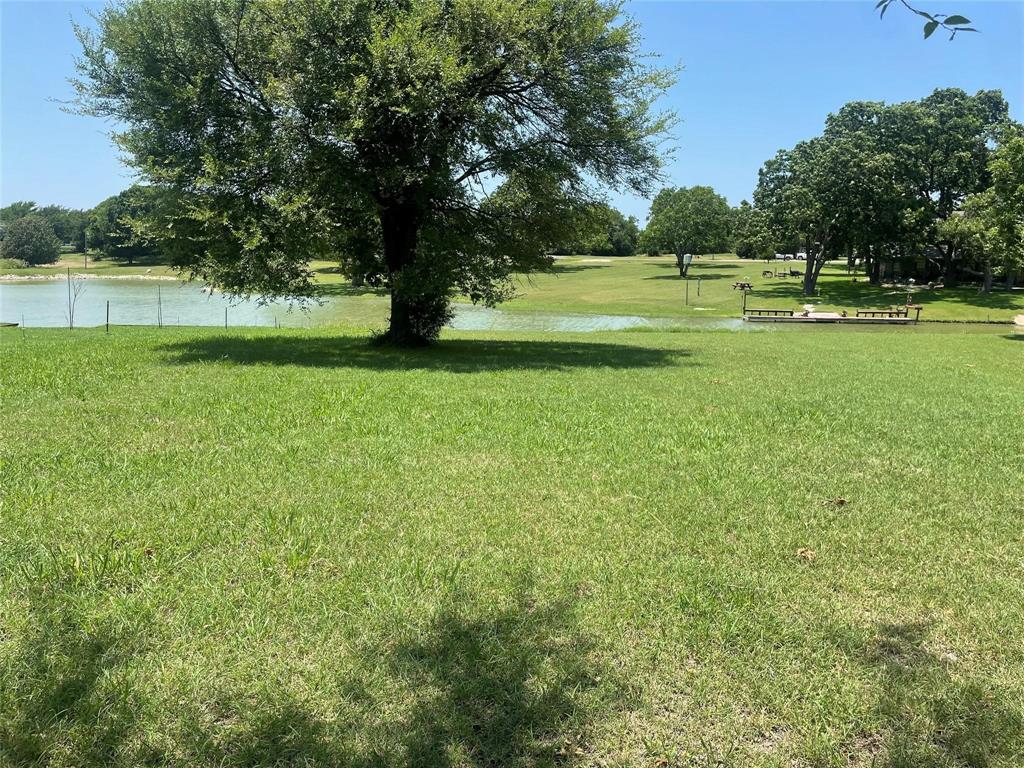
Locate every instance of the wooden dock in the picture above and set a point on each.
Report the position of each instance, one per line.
(828, 317)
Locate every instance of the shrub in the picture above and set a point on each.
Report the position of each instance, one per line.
(30, 239)
(13, 264)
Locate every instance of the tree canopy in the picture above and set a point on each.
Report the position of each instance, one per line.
(752, 238)
(688, 220)
(881, 179)
(120, 226)
(30, 239)
(450, 141)
(602, 231)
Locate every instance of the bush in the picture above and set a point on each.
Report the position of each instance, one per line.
(30, 239)
(13, 264)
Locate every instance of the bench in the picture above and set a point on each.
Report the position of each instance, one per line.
(882, 313)
(742, 285)
(769, 312)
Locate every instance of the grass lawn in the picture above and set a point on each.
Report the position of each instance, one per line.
(641, 285)
(284, 547)
(77, 263)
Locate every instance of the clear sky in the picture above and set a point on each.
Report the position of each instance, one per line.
(758, 76)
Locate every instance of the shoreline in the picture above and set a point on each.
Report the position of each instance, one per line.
(9, 278)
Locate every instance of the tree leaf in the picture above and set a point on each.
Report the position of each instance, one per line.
(957, 20)
(930, 27)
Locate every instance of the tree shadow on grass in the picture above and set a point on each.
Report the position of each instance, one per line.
(452, 355)
(933, 718)
(693, 277)
(477, 688)
(65, 691)
(334, 290)
(505, 689)
(561, 268)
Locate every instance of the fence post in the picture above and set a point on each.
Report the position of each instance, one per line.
(108, 315)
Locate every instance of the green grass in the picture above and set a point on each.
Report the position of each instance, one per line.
(275, 547)
(651, 286)
(77, 263)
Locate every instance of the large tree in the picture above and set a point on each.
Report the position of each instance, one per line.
(450, 139)
(881, 180)
(122, 226)
(693, 220)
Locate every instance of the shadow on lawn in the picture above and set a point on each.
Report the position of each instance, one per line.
(66, 691)
(932, 717)
(477, 687)
(346, 289)
(454, 355)
(504, 688)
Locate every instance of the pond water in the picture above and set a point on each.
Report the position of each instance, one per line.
(44, 303)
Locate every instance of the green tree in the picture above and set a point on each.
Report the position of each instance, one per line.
(16, 210)
(882, 179)
(688, 220)
(121, 226)
(13, 212)
(30, 238)
(751, 236)
(68, 224)
(831, 191)
(1007, 199)
(472, 130)
(602, 231)
(941, 146)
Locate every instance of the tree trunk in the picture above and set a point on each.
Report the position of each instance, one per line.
(875, 268)
(812, 267)
(949, 276)
(986, 285)
(399, 224)
(1009, 278)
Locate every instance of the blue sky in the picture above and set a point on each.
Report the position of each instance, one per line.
(757, 77)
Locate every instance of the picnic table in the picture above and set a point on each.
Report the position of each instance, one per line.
(741, 285)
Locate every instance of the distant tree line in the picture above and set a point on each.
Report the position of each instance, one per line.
(117, 228)
(930, 189)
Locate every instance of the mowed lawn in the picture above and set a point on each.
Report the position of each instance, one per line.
(283, 547)
(641, 285)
